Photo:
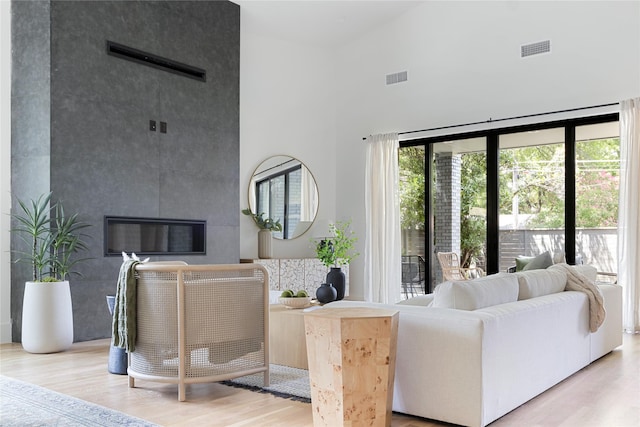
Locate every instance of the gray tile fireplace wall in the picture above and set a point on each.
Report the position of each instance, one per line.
(81, 128)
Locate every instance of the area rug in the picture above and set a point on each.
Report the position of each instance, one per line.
(290, 383)
(24, 404)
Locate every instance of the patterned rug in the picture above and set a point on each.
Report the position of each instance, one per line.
(23, 404)
(290, 383)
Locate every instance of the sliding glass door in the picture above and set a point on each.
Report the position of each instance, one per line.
(532, 195)
(412, 219)
(597, 189)
(456, 173)
(490, 196)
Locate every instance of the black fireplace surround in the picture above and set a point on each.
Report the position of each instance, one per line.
(154, 236)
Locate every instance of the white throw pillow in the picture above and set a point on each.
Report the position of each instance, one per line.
(478, 293)
(535, 283)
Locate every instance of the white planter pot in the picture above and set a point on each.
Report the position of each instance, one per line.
(264, 244)
(47, 317)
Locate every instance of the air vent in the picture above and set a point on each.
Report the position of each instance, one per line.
(396, 78)
(535, 48)
(155, 61)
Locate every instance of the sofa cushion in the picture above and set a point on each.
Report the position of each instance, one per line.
(535, 283)
(478, 293)
(542, 261)
(421, 300)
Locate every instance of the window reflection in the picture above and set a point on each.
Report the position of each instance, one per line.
(283, 189)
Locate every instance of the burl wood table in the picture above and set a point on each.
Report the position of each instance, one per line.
(352, 354)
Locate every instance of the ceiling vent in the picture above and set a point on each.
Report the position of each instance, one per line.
(535, 48)
(396, 78)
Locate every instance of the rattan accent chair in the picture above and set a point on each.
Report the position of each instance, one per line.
(451, 270)
(200, 323)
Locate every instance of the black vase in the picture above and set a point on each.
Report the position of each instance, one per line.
(326, 293)
(337, 279)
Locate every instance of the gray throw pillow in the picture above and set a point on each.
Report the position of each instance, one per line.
(540, 262)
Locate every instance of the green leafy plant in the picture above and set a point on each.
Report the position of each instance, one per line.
(473, 227)
(52, 238)
(263, 223)
(339, 249)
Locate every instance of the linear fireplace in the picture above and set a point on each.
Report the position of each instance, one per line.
(154, 236)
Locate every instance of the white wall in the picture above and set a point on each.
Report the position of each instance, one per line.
(5, 170)
(463, 63)
(287, 106)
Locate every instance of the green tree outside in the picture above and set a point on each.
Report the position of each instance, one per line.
(473, 206)
(412, 189)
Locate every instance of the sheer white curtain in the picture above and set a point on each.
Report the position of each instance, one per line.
(629, 214)
(382, 269)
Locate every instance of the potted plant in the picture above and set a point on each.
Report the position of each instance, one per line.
(335, 251)
(266, 226)
(52, 238)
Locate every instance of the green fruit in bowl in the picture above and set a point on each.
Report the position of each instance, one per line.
(287, 294)
(302, 294)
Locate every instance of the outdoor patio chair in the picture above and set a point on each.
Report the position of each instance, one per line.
(451, 270)
(413, 275)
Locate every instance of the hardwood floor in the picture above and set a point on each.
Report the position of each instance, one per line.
(604, 394)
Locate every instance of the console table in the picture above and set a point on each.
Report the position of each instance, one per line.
(287, 345)
(297, 273)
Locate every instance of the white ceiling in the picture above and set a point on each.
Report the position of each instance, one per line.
(321, 23)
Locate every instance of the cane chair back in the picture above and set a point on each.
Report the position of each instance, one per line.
(451, 270)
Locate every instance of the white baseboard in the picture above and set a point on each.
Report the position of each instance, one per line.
(5, 333)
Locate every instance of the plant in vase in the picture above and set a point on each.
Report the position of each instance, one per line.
(52, 238)
(335, 251)
(266, 226)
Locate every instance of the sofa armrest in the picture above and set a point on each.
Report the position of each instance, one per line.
(609, 335)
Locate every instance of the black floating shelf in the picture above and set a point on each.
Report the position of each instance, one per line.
(155, 61)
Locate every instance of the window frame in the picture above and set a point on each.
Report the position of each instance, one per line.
(493, 201)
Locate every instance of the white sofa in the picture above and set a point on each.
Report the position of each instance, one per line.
(471, 365)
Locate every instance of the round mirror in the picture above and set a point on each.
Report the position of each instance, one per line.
(284, 189)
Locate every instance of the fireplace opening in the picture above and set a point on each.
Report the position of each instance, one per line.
(154, 236)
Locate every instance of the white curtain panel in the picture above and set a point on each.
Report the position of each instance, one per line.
(629, 214)
(382, 269)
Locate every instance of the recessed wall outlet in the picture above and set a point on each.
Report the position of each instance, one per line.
(163, 127)
(152, 125)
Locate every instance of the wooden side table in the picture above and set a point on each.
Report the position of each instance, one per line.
(352, 354)
(286, 337)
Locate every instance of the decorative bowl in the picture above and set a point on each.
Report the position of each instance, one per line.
(296, 302)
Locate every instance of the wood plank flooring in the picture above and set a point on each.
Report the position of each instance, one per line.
(604, 394)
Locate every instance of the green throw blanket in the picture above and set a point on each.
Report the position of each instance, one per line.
(124, 311)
